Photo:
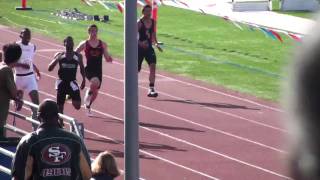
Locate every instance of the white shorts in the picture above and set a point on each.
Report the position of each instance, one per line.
(26, 83)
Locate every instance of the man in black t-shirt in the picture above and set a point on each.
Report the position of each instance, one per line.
(66, 84)
(51, 153)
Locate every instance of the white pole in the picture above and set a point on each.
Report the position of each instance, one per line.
(131, 91)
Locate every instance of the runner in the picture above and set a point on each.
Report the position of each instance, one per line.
(94, 49)
(66, 84)
(25, 79)
(147, 37)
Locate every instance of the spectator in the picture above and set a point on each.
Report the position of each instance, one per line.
(303, 103)
(8, 90)
(51, 152)
(104, 167)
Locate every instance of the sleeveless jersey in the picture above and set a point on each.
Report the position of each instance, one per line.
(68, 67)
(28, 52)
(146, 33)
(94, 57)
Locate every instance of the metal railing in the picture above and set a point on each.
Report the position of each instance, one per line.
(74, 125)
(72, 121)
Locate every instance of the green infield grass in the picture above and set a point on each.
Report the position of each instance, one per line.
(198, 46)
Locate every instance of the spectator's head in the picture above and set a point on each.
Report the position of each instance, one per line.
(93, 30)
(48, 112)
(68, 43)
(146, 10)
(303, 103)
(105, 163)
(25, 35)
(12, 53)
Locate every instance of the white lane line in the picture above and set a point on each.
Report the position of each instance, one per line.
(219, 111)
(190, 144)
(218, 92)
(142, 151)
(88, 131)
(155, 156)
(194, 123)
(199, 147)
(211, 90)
(191, 122)
(174, 79)
(201, 125)
(212, 109)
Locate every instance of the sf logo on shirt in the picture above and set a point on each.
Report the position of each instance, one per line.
(55, 154)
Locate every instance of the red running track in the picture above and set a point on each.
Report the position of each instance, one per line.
(191, 131)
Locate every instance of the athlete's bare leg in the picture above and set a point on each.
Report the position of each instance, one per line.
(76, 104)
(152, 74)
(61, 107)
(92, 93)
(34, 96)
(152, 79)
(94, 88)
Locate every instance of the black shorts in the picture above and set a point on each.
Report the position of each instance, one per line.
(91, 74)
(147, 54)
(70, 88)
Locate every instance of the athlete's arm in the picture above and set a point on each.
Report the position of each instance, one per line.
(82, 71)
(55, 61)
(37, 71)
(106, 55)
(154, 38)
(81, 47)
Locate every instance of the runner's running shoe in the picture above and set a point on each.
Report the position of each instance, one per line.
(152, 93)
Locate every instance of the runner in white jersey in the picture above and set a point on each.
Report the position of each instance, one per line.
(25, 78)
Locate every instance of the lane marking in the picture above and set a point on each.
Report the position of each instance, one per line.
(198, 124)
(190, 144)
(212, 109)
(142, 151)
(192, 122)
(174, 79)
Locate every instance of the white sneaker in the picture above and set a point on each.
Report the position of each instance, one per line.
(88, 109)
(152, 93)
(68, 97)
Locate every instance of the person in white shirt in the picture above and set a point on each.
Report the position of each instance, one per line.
(25, 78)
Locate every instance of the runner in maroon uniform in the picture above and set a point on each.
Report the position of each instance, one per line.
(147, 37)
(94, 49)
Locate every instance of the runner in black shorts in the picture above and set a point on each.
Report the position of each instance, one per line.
(66, 84)
(147, 37)
(94, 50)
